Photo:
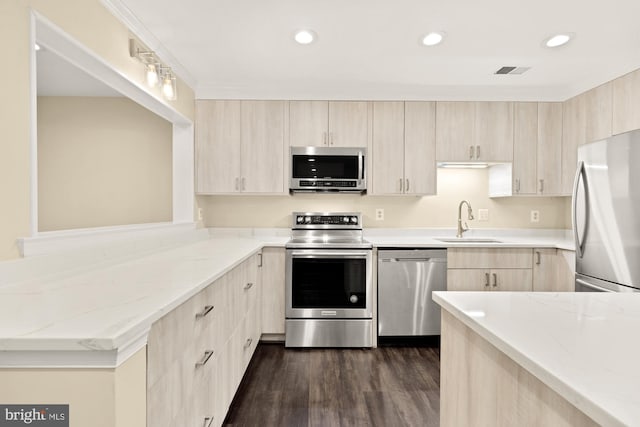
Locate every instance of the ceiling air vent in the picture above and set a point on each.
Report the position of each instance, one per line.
(512, 70)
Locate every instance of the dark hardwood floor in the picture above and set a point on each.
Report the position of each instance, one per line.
(387, 386)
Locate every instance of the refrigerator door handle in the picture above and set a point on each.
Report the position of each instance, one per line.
(574, 205)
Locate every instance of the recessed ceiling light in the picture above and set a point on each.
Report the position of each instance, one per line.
(433, 38)
(558, 40)
(37, 47)
(304, 36)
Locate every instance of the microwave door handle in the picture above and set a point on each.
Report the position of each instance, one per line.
(361, 165)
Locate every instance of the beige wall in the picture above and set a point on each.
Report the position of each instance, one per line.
(101, 161)
(96, 397)
(93, 26)
(454, 185)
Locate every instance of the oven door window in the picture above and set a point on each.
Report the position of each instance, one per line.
(328, 283)
(325, 167)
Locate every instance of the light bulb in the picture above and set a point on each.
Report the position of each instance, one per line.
(168, 89)
(432, 39)
(304, 36)
(152, 75)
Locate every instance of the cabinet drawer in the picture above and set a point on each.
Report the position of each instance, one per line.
(484, 279)
(489, 258)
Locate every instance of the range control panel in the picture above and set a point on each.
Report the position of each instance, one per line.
(327, 220)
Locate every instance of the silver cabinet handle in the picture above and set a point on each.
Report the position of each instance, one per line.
(541, 185)
(248, 342)
(205, 358)
(244, 187)
(237, 185)
(517, 185)
(495, 280)
(324, 138)
(260, 259)
(538, 258)
(330, 138)
(206, 310)
(486, 280)
(248, 286)
(407, 189)
(207, 421)
(400, 185)
(471, 155)
(477, 151)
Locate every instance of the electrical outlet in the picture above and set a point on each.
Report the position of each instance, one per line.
(199, 214)
(379, 214)
(483, 214)
(535, 216)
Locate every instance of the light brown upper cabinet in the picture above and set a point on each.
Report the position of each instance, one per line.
(240, 147)
(525, 147)
(454, 131)
(403, 148)
(573, 135)
(549, 153)
(474, 131)
(328, 123)
(493, 133)
(626, 108)
(598, 111)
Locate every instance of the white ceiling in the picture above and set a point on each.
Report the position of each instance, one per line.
(369, 49)
(58, 77)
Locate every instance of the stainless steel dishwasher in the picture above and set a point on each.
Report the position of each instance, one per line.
(406, 279)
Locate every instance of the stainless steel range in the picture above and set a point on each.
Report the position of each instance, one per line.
(328, 281)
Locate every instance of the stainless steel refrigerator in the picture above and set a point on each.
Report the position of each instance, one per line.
(606, 215)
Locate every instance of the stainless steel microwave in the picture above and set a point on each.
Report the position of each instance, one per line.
(328, 169)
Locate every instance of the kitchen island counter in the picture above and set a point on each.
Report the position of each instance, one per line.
(579, 345)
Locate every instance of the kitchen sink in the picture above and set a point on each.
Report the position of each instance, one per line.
(468, 240)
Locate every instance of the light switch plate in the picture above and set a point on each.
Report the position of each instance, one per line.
(483, 214)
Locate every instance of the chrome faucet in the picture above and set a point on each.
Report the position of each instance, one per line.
(461, 228)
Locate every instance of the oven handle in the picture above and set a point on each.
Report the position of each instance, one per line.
(329, 254)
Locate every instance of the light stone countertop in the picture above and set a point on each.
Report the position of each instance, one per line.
(82, 306)
(581, 345)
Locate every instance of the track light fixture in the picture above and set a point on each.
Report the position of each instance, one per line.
(157, 74)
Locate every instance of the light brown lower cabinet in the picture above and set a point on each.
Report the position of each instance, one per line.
(198, 352)
(500, 279)
(482, 386)
(553, 270)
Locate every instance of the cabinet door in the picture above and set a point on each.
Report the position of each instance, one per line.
(525, 143)
(545, 270)
(573, 135)
(217, 146)
(493, 131)
(626, 109)
(420, 147)
(348, 123)
(454, 131)
(549, 148)
(598, 112)
(308, 123)
(262, 143)
(388, 148)
(273, 286)
(514, 279)
(566, 263)
(468, 279)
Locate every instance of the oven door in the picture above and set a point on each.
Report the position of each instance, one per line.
(328, 284)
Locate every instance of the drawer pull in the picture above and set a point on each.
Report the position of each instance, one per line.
(486, 280)
(477, 151)
(206, 310)
(207, 421)
(205, 358)
(248, 286)
(538, 258)
(248, 342)
(495, 280)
